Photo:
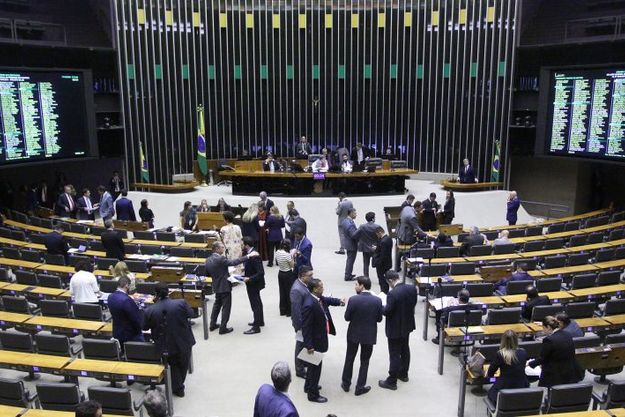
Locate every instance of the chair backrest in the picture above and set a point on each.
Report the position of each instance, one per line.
(39, 238)
(504, 316)
(115, 401)
(197, 269)
(488, 351)
(570, 226)
(54, 259)
(503, 249)
(519, 401)
(568, 397)
(557, 243)
(448, 290)
(13, 393)
(31, 255)
(462, 237)
(615, 395)
(557, 261)
(603, 255)
(86, 311)
(583, 281)
(480, 250)
(108, 285)
(580, 310)
(460, 318)
(15, 304)
(101, 349)
(143, 352)
(53, 344)
(619, 253)
(97, 231)
(166, 236)
(48, 223)
(50, 281)
(16, 341)
(534, 231)
(18, 235)
(131, 249)
(74, 259)
(548, 284)
(480, 289)
(578, 240)
(578, 259)
(425, 253)
(188, 252)
(434, 270)
(532, 347)
(491, 235)
(596, 237)
(143, 235)
(96, 245)
(77, 228)
(146, 288)
(137, 265)
(518, 287)
(612, 339)
(462, 268)
(530, 263)
(613, 307)
(59, 396)
(195, 238)
(586, 341)
(55, 308)
(540, 312)
(608, 277)
(597, 221)
(512, 233)
(4, 274)
(25, 277)
(555, 228)
(105, 263)
(151, 250)
(448, 252)
(616, 234)
(11, 253)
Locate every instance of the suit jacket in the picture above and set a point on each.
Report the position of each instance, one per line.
(408, 225)
(125, 209)
(298, 224)
(112, 185)
(317, 322)
(557, 358)
(399, 311)
(350, 234)
(272, 403)
(302, 153)
(354, 154)
(363, 312)
(106, 206)
(267, 166)
(466, 174)
(501, 285)
(511, 376)
(342, 209)
(127, 319)
(217, 268)
(384, 253)
(168, 321)
(251, 229)
(297, 295)
(305, 247)
(113, 244)
(63, 208)
(274, 225)
(541, 300)
(56, 244)
(268, 204)
(429, 208)
(255, 272)
(449, 208)
(82, 213)
(512, 207)
(44, 193)
(367, 237)
(471, 240)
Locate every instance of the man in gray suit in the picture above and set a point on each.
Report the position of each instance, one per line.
(299, 292)
(351, 234)
(367, 241)
(217, 267)
(408, 229)
(341, 211)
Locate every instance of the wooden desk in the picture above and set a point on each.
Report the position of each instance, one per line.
(106, 273)
(537, 273)
(13, 318)
(588, 324)
(13, 242)
(543, 253)
(8, 411)
(567, 270)
(617, 263)
(490, 301)
(59, 269)
(593, 413)
(617, 319)
(59, 323)
(19, 264)
(617, 412)
(117, 370)
(493, 331)
(472, 186)
(425, 281)
(595, 292)
(33, 362)
(41, 292)
(493, 257)
(555, 297)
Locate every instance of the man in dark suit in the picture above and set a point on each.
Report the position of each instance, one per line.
(399, 312)
(124, 208)
(442, 314)
(303, 251)
(255, 282)
(518, 275)
(265, 201)
(55, 242)
(296, 223)
(116, 185)
(533, 300)
(85, 209)
(65, 204)
(359, 155)
(299, 292)
(112, 242)
(367, 241)
(512, 208)
(350, 242)
(274, 401)
(363, 312)
(409, 201)
(127, 319)
(430, 208)
(466, 175)
(383, 257)
(217, 267)
(168, 322)
(316, 325)
(302, 149)
(270, 164)
(475, 238)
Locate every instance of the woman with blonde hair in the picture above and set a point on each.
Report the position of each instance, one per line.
(121, 270)
(249, 223)
(510, 362)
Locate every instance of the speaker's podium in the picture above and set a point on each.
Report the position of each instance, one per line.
(170, 274)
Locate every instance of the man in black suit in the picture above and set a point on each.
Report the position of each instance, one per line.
(466, 175)
(316, 325)
(297, 223)
(43, 195)
(363, 312)
(65, 204)
(116, 185)
(430, 208)
(112, 242)
(399, 312)
(86, 209)
(533, 300)
(255, 281)
(475, 238)
(168, 321)
(265, 201)
(302, 149)
(383, 257)
(359, 155)
(55, 242)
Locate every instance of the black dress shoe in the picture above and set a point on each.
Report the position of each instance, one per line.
(226, 330)
(253, 330)
(178, 393)
(404, 378)
(317, 399)
(435, 340)
(318, 389)
(213, 327)
(252, 324)
(345, 387)
(349, 278)
(339, 252)
(363, 390)
(383, 383)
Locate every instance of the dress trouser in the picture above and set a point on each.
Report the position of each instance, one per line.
(350, 355)
(313, 375)
(300, 365)
(271, 248)
(381, 271)
(349, 263)
(399, 358)
(179, 365)
(340, 238)
(222, 299)
(285, 282)
(366, 261)
(257, 306)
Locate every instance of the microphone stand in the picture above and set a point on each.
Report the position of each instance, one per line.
(463, 358)
(164, 358)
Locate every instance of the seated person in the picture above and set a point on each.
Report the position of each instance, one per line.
(56, 243)
(518, 275)
(320, 165)
(203, 207)
(271, 164)
(533, 300)
(346, 164)
(475, 238)
(221, 206)
(510, 362)
(442, 315)
(443, 241)
(503, 238)
(83, 285)
(569, 326)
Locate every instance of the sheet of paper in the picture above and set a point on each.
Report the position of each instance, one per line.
(236, 279)
(382, 297)
(314, 358)
(299, 336)
(533, 371)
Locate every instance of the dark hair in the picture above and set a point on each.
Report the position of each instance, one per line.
(144, 203)
(464, 296)
(248, 241)
(101, 188)
(303, 270)
(441, 238)
(88, 408)
(379, 229)
(451, 195)
(314, 283)
(350, 211)
(551, 322)
(124, 192)
(364, 281)
(370, 216)
(286, 245)
(391, 275)
(281, 376)
(187, 205)
(162, 290)
(85, 191)
(341, 194)
(532, 292)
(417, 204)
(293, 212)
(58, 226)
(83, 265)
(432, 195)
(108, 223)
(410, 197)
(216, 245)
(123, 282)
(228, 216)
(563, 318)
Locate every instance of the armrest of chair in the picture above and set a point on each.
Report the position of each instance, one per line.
(598, 398)
(30, 397)
(490, 407)
(75, 350)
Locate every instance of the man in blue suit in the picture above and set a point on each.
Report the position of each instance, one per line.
(86, 208)
(274, 401)
(363, 312)
(127, 318)
(303, 251)
(107, 211)
(124, 208)
(351, 234)
(399, 312)
(65, 204)
(513, 205)
(466, 175)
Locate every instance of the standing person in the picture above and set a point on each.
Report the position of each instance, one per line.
(430, 208)
(342, 208)
(147, 216)
(510, 362)
(359, 155)
(399, 312)
(363, 312)
(302, 251)
(84, 207)
(188, 217)
(302, 149)
(409, 201)
(56, 243)
(466, 174)
(43, 194)
(512, 208)
(449, 209)
(383, 257)
(262, 243)
(217, 267)
(124, 208)
(408, 229)
(249, 222)
(299, 292)
(168, 322)
(65, 204)
(127, 318)
(286, 277)
(112, 242)
(367, 241)
(116, 185)
(231, 236)
(83, 284)
(274, 225)
(274, 401)
(316, 325)
(350, 242)
(297, 223)
(107, 211)
(557, 356)
(255, 281)
(290, 205)
(568, 325)
(265, 201)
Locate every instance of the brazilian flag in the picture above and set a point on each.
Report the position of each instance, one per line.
(494, 173)
(201, 142)
(145, 174)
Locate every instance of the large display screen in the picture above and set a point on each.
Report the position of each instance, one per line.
(43, 115)
(586, 113)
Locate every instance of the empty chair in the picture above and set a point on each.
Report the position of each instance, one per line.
(96, 245)
(166, 236)
(17, 304)
(570, 226)
(11, 253)
(608, 277)
(616, 234)
(4, 232)
(97, 231)
(108, 285)
(603, 255)
(131, 249)
(151, 250)
(612, 339)
(31, 255)
(200, 269)
(115, 401)
(13, 393)
(557, 261)
(77, 228)
(25, 277)
(50, 281)
(463, 268)
(578, 259)
(504, 316)
(107, 350)
(460, 318)
(86, 311)
(195, 238)
(39, 238)
(74, 259)
(567, 398)
(540, 312)
(54, 259)
(504, 249)
(619, 253)
(586, 341)
(548, 284)
(4, 275)
(434, 270)
(55, 308)
(617, 217)
(480, 250)
(613, 307)
(488, 351)
(555, 228)
(76, 243)
(516, 233)
(515, 402)
(60, 396)
(203, 253)
(143, 352)
(583, 281)
(18, 235)
(554, 244)
(491, 235)
(534, 231)
(597, 221)
(462, 237)
(480, 289)
(48, 223)
(580, 310)
(189, 253)
(54, 344)
(105, 263)
(137, 265)
(17, 341)
(613, 397)
(596, 237)
(518, 287)
(144, 235)
(146, 288)
(447, 290)
(448, 252)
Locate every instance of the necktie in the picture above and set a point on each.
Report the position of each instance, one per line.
(43, 194)
(88, 203)
(116, 185)
(69, 202)
(324, 314)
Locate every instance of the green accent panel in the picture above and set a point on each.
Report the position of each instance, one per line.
(290, 72)
(130, 71)
(264, 72)
(446, 70)
(367, 71)
(501, 71)
(316, 71)
(158, 72)
(211, 72)
(420, 71)
(185, 72)
(341, 72)
(473, 70)
(393, 71)
(237, 72)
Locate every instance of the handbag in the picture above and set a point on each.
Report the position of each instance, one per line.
(475, 364)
